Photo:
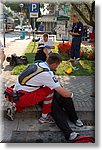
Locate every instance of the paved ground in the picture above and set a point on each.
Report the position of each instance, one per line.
(10, 37)
(25, 127)
(16, 46)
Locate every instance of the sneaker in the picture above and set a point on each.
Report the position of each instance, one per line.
(48, 119)
(71, 59)
(73, 136)
(79, 123)
(75, 68)
(77, 59)
(10, 114)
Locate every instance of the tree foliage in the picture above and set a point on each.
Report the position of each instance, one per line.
(86, 11)
(14, 6)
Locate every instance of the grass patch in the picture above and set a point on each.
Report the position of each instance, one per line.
(86, 67)
(18, 69)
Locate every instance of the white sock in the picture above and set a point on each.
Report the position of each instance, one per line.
(44, 115)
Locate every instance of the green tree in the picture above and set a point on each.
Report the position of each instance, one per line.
(86, 11)
(14, 6)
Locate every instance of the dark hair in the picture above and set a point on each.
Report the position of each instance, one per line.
(54, 58)
(45, 35)
(74, 15)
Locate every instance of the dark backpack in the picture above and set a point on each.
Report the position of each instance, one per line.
(30, 72)
(16, 60)
(84, 139)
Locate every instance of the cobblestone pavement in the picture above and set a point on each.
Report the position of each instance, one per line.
(26, 124)
(81, 86)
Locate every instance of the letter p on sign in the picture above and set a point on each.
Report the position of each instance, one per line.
(33, 7)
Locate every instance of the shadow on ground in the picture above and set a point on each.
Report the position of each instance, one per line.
(8, 68)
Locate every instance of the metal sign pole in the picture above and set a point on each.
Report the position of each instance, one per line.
(34, 36)
(34, 9)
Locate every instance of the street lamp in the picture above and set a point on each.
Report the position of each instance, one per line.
(21, 6)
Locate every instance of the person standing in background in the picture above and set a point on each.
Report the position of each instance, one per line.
(77, 33)
(41, 27)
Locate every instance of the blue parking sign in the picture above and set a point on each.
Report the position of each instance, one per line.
(34, 7)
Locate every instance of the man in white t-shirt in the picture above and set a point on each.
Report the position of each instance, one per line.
(47, 43)
(33, 93)
(2, 55)
(40, 88)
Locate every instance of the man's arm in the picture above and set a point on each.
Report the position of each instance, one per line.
(50, 47)
(51, 44)
(46, 52)
(72, 33)
(63, 92)
(80, 30)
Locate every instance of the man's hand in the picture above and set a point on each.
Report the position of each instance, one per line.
(47, 46)
(64, 92)
(71, 33)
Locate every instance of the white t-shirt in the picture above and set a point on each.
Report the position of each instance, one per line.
(45, 78)
(48, 43)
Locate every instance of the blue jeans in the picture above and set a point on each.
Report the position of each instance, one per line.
(75, 48)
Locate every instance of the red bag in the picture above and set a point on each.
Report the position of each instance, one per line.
(9, 94)
(12, 96)
(84, 139)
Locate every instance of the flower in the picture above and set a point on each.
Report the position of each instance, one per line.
(91, 56)
(64, 47)
(87, 55)
(81, 52)
(86, 52)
